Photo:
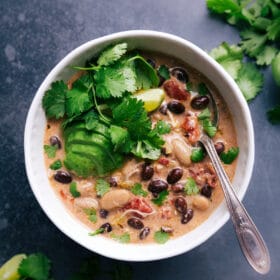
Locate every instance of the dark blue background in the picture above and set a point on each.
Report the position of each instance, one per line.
(35, 35)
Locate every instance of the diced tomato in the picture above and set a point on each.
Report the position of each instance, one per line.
(175, 89)
(191, 127)
(163, 161)
(63, 195)
(139, 204)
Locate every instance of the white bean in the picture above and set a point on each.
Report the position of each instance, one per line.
(200, 202)
(86, 202)
(182, 151)
(115, 199)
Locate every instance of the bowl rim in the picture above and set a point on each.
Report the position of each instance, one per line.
(122, 36)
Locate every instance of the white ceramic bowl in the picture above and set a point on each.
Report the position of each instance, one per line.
(35, 128)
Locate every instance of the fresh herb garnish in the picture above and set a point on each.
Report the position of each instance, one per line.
(191, 187)
(202, 89)
(198, 154)
(111, 54)
(56, 165)
(123, 238)
(208, 127)
(73, 190)
(35, 267)
(189, 86)
(162, 196)
(54, 100)
(50, 150)
(97, 231)
(205, 114)
(161, 237)
(102, 187)
(164, 72)
(162, 127)
(91, 213)
(229, 156)
(138, 190)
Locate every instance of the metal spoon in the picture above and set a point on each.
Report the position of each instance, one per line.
(250, 239)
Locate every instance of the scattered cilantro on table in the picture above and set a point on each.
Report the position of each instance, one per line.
(259, 25)
(35, 267)
(138, 190)
(162, 196)
(191, 187)
(274, 115)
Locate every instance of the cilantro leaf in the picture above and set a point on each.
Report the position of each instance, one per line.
(102, 187)
(120, 138)
(205, 114)
(202, 89)
(111, 54)
(145, 149)
(197, 154)
(274, 115)
(162, 127)
(97, 231)
(208, 127)
(73, 190)
(252, 42)
(50, 150)
(56, 164)
(273, 30)
(229, 57)
(146, 76)
(191, 187)
(35, 266)
(163, 71)
(266, 56)
(229, 156)
(161, 237)
(77, 98)
(250, 81)
(162, 196)
(189, 86)
(123, 238)
(54, 100)
(115, 80)
(137, 190)
(91, 213)
(130, 113)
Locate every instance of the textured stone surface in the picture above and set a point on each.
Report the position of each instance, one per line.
(35, 35)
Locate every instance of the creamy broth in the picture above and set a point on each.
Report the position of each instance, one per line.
(166, 215)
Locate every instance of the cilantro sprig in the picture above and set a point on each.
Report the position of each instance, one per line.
(138, 190)
(191, 187)
(162, 196)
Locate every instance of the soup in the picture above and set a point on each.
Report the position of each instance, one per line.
(153, 180)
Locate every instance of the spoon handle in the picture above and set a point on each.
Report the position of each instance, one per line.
(250, 240)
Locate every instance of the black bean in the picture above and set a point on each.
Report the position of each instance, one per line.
(63, 177)
(151, 62)
(176, 107)
(220, 147)
(180, 204)
(187, 216)
(174, 175)
(157, 186)
(103, 213)
(135, 223)
(200, 102)
(163, 109)
(107, 227)
(144, 233)
(147, 172)
(206, 191)
(54, 141)
(167, 229)
(177, 188)
(113, 182)
(180, 74)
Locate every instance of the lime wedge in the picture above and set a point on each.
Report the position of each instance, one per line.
(152, 98)
(9, 270)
